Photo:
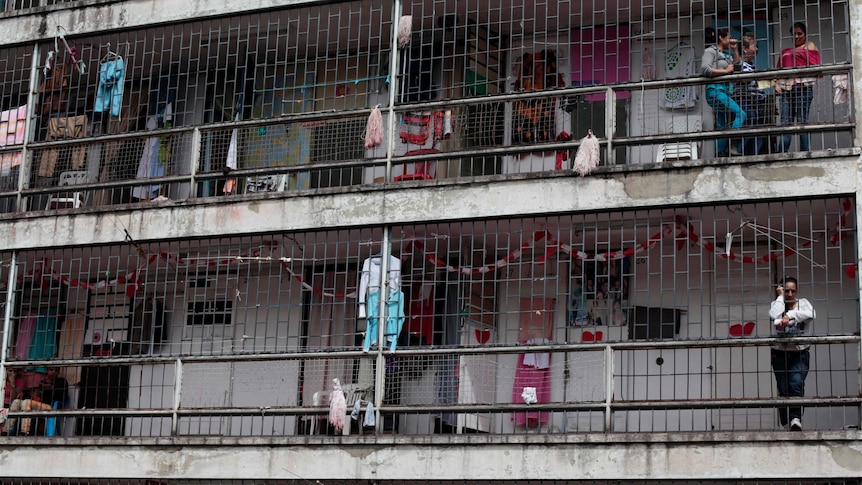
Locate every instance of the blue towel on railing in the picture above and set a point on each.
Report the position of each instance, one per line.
(369, 420)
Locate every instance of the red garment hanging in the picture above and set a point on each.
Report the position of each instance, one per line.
(420, 319)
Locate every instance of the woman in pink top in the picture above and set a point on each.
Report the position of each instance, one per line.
(796, 93)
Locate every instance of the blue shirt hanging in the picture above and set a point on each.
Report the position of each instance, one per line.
(109, 95)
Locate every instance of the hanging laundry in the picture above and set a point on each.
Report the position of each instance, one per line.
(149, 165)
(539, 360)
(44, 343)
(337, 406)
(420, 323)
(72, 51)
(370, 279)
(12, 123)
(539, 379)
(230, 163)
(55, 90)
(57, 70)
(369, 420)
(26, 327)
(63, 129)
(109, 94)
(166, 146)
(394, 320)
(679, 62)
(841, 87)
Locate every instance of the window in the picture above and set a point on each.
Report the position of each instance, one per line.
(209, 313)
(209, 309)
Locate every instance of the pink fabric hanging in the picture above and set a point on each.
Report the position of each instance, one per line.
(337, 406)
(537, 326)
(374, 129)
(12, 124)
(25, 337)
(528, 376)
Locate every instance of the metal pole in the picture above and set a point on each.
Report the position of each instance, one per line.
(380, 374)
(609, 386)
(610, 122)
(393, 88)
(196, 157)
(7, 319)
(24, 171)
(856, 33)
(386, 250)
(178, 385)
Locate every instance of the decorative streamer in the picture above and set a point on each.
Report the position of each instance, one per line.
(679, 229)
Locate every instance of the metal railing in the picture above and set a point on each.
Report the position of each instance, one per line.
(585, 400)
(196, 169)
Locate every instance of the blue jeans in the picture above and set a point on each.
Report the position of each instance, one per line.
(795, 107)
(723, 105)
(394, 320)
(791, 369)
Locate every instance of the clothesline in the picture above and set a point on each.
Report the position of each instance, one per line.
(317, 85)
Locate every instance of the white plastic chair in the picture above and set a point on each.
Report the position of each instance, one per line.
(352, 393)
(63, 200)
(685, 150)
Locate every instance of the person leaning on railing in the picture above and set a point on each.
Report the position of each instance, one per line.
(790, 362)
(25, 427)
(750, 97)
(722, 59)
(796, 94)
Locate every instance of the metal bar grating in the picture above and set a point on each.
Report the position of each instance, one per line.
(497, 326)
(480, 90)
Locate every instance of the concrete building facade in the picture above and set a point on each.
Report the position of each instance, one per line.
(429, 241)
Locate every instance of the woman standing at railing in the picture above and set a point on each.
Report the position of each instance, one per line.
(796, 93)
(722, 59)
(790, 362)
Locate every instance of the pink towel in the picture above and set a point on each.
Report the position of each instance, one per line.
(526, 376)
(12, 124)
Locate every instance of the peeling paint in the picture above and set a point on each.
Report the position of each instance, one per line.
(102, 16)
(847, 458)
(783, 174)
(505, 198)
(645, 187)
(360, 453)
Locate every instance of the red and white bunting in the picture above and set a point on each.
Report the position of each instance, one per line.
(679, 230)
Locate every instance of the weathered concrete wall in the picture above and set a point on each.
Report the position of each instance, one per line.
(96, 16)
(779, 455)
(524, 196)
